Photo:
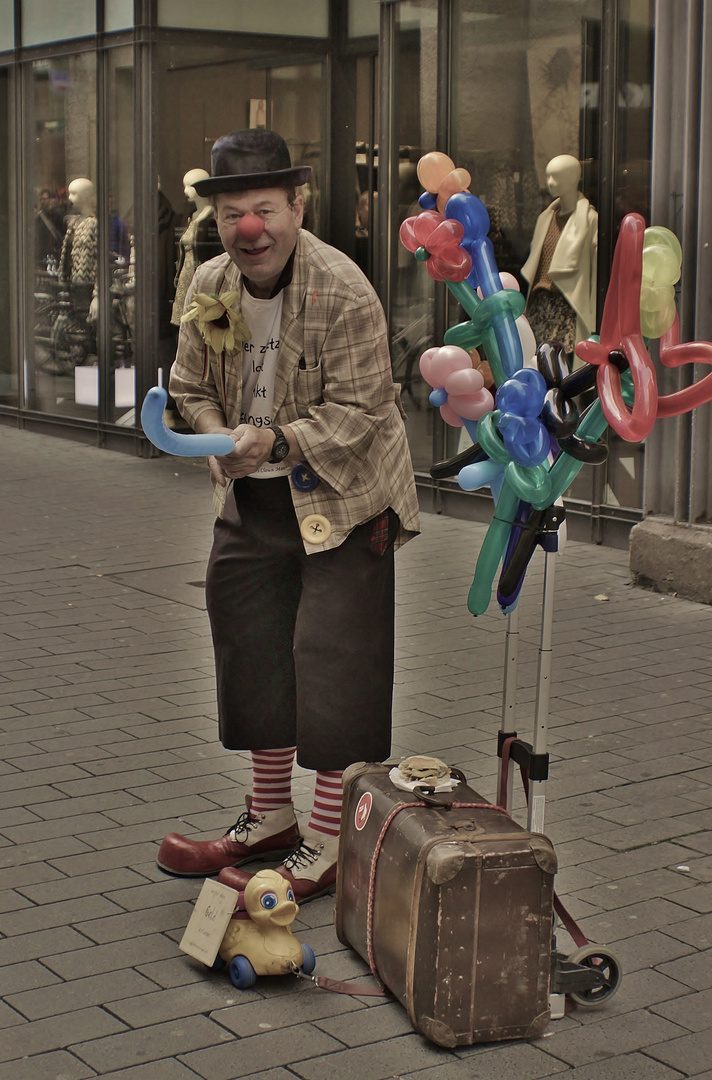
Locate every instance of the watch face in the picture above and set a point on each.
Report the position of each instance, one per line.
(280, 448)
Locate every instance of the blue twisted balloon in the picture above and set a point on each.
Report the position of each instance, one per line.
(171, 442)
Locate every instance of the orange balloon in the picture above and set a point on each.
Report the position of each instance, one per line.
(433, 168)
(457, 180)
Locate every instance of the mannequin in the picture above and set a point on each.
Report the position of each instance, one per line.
(561, 268)
(77, 260)
(199, 242)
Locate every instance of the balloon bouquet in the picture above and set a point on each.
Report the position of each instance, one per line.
(530, 439)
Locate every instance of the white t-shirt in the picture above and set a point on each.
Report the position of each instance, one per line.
(259, 362)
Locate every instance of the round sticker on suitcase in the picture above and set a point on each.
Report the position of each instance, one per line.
(363, 810)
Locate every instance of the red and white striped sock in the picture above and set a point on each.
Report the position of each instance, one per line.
(326, 815)
(271, 779)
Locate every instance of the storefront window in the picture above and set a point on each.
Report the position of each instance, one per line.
(255, 90)
(120, 249)
(412, 306)
(7, 27)
(310, 18)
(66, 234)
(43, 21)
(8, 367)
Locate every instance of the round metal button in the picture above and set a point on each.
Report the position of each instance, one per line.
(315, 529)
(303, 478)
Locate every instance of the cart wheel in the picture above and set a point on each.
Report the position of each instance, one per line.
(309, 959)
(242, 973)
(593, 956)
(218, 964)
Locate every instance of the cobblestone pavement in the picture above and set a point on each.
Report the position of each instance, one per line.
(107, 722)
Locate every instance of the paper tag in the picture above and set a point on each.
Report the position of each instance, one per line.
(209, 921)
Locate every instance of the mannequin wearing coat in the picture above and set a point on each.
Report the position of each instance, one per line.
(561, 268)
(199, 242)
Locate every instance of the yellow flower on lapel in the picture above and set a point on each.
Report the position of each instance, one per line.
(222, 326)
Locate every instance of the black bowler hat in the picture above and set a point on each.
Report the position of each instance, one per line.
(255, 158)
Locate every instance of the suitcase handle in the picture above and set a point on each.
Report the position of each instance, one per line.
(428, 795)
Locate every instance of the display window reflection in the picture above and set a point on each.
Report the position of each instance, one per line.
(412, 305)
(8, 365)
(120, 249)
(254, 89)
(65, 301)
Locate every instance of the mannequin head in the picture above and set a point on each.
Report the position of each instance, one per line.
(562, 179)
(82, 197)
(189, 191)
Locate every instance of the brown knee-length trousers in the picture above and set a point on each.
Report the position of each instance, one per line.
(303, 643)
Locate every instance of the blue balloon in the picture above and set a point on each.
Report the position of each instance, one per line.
(523, 394)
(472, 214)
(427, 201)
(437, 397)
(526, 439)
(479, 474)
(171, 442)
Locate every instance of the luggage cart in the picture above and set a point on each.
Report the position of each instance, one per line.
(591, 974)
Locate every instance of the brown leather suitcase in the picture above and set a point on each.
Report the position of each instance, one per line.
(452, 908)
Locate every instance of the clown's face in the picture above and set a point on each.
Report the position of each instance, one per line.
(258, 230)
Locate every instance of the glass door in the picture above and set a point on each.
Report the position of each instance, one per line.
(62, 177)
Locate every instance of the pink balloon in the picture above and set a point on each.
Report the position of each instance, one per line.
(447, 359)
(470, 406)
(464, 381)
(425, 366)
(450, 416)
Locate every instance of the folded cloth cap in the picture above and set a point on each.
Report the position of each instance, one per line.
(255, 158)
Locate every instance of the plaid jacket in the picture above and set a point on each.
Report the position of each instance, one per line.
(333, 386)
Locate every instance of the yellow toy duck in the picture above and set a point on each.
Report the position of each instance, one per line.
(259, 939)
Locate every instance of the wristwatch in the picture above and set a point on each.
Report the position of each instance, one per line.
(280, 448)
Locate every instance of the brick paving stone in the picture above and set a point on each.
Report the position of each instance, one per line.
(50, 1066)
(129, 1048)
(166, 1069)
(611, 1037)
(693, 970)
(57, 1032)
(78, 994)
(286, 1010)
(301, 1047)
(213, 994)
(690, 1054)
(77, 963)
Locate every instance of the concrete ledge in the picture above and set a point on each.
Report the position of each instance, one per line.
(669, 557)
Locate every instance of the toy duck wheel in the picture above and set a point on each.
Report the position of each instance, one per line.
(242, 973)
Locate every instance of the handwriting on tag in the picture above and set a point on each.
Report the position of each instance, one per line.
(209, 921)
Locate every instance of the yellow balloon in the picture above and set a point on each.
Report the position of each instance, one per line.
(433, 168)
(659, 236)
(654, 324)
(660, 265)
(656, 297)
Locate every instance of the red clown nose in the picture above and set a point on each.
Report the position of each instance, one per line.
(250, 227)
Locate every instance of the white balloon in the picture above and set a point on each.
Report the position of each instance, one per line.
(526, 336)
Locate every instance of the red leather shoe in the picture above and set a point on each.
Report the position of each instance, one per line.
(253, 836)
(310, 869)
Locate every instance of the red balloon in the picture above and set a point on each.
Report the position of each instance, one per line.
(620, 332)
(673, 354)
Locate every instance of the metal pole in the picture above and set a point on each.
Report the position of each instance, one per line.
(509, 696)
(537, 797)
